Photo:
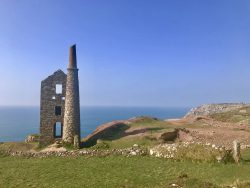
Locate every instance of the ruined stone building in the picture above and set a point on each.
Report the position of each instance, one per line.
(60, 105)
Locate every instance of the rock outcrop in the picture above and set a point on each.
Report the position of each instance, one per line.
(32, 138)
(209, 109)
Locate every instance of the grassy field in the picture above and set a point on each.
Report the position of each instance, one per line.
(115, 171)
(121, 171)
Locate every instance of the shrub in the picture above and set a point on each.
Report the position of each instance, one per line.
(192, 152)
(101, 145)
(203, 153)
(3, 154)
(68, 146)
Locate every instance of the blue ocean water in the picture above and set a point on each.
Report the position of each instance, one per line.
(17, 122)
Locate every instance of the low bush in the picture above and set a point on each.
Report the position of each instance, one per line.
(67, 145)
(101, 145)
(193, 152)
(3, 154)
(203, 153)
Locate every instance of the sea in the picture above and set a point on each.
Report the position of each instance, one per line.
(18, 122)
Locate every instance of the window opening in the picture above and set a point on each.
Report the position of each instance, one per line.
(58, 88)
(58, 110)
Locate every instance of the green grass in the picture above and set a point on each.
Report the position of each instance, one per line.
(246, 154)
(127, 142)
(124, 138)
(115, 171)
(147, 121)
(120, 171)
(18, 146)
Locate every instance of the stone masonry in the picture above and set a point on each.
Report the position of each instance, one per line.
(60, 106)
(71, 126)
(49, 101)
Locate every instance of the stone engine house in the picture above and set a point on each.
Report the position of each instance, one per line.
(53, 90)
(60, 106)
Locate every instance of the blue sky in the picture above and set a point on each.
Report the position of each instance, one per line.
(130, 52)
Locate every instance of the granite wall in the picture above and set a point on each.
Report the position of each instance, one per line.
(50, 101)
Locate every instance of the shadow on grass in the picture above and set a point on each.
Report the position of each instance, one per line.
(139, 131)
(113, 132)
(245, 155)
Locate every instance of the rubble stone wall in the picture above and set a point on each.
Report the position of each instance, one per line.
(49, 100)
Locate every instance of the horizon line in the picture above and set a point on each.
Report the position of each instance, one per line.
(122, 106)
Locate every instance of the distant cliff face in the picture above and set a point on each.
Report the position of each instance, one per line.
(209, 109)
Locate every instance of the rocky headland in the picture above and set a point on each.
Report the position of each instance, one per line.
(209, 109)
